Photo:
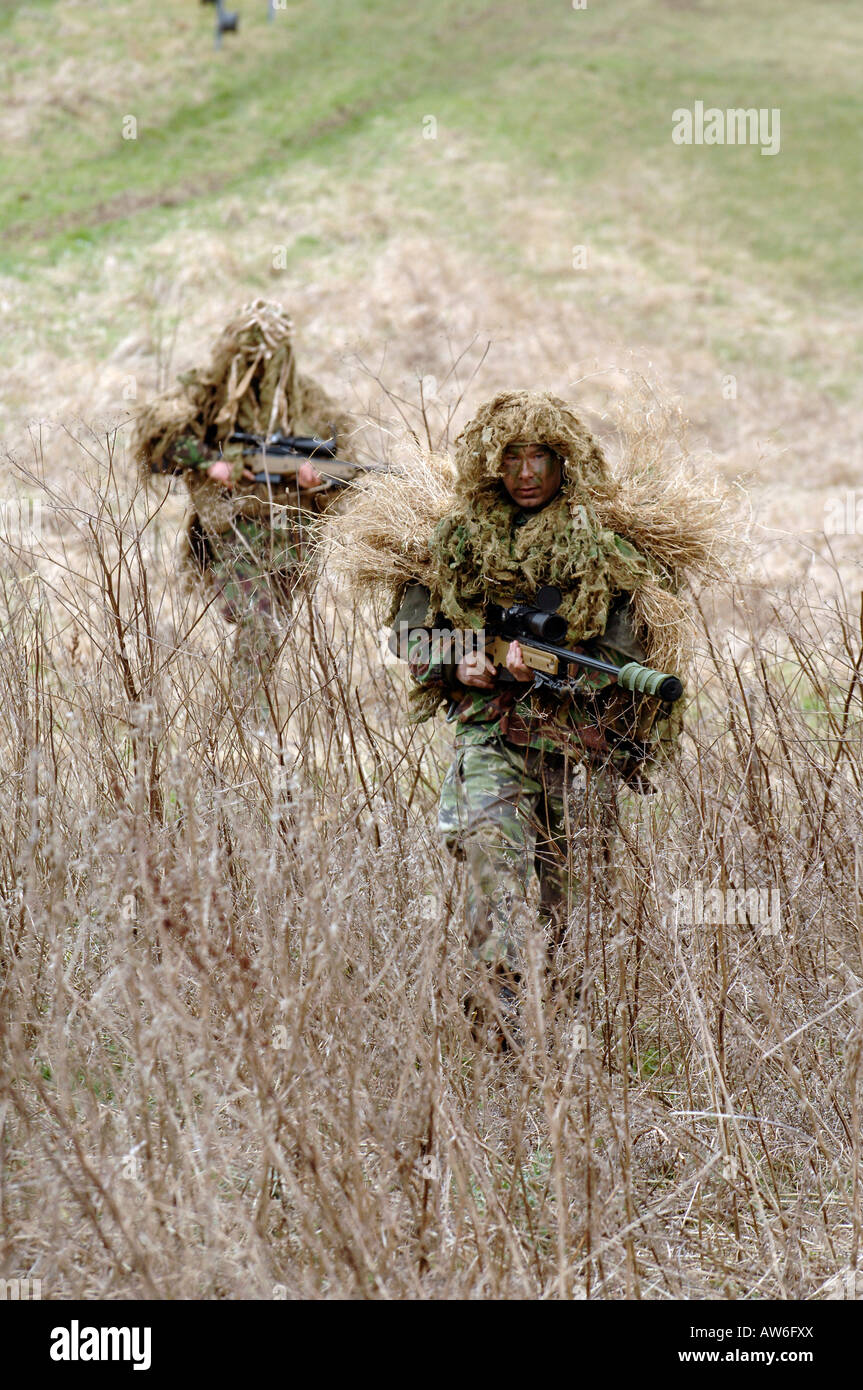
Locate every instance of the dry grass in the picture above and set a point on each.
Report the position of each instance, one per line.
(235, 1061)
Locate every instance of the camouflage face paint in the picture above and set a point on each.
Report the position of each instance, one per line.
(531, 474)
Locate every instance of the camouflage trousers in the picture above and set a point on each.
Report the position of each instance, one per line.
(255, 570)
(504, 810)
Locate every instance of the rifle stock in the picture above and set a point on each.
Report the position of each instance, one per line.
(282, 454)
(274, 468)
(533, 658)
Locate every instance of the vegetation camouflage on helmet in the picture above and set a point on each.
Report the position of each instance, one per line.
(532, 417)
(251, 384)
(478, 557)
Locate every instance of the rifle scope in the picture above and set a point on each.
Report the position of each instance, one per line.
(538, 620)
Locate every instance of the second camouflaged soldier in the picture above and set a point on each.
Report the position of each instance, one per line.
(251, 542)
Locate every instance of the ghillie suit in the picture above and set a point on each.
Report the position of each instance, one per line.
(252, 542)
(619, 546)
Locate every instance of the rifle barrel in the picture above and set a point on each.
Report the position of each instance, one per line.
(286, 446)
(632, 676)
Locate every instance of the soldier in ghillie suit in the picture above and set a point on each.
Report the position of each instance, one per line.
(525, 518)
(250, 541)
(532, 502)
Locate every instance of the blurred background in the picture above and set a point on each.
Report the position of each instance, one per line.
(411, 180)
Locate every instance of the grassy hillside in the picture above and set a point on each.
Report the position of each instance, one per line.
(578, 103)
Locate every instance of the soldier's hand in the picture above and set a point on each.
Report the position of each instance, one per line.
(308, 475)
(477, 670)
(515, 663)
(220, 472)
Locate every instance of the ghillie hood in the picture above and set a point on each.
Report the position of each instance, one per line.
(251, 384)
(648, 526)
(532, 417)
(478, 555)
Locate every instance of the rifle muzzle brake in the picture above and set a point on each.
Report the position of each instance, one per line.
(633, 676)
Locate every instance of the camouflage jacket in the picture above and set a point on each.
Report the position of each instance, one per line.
(578, 723)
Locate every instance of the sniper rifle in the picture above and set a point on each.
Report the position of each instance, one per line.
(282, 454)
(539, 629)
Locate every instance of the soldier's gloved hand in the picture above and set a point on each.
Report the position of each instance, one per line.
(515, 663)
(476, 669)
(308, 475)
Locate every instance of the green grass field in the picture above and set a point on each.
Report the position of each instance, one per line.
(294, 162)
(576, 102)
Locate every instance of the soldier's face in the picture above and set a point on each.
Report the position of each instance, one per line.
(531, 474)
